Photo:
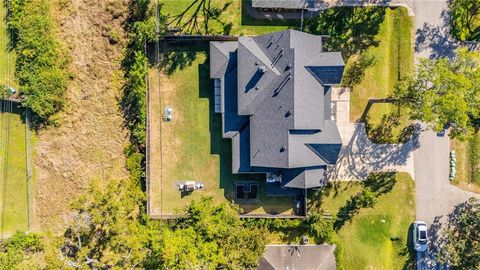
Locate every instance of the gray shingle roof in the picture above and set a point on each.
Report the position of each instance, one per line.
(288, 4)
(305, 257)
(282, 87)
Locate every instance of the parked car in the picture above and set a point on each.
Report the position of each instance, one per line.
(420, 236)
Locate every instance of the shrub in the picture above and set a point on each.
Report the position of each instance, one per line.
(320, 227)
(41, 64)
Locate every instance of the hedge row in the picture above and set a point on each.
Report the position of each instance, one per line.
(41, 65)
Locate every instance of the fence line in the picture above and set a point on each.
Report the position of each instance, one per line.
(28, 137)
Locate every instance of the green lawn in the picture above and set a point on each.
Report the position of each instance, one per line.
(193, 147)
(366, 240)
(232, 20)
(468, 163)
(13, 180)
(389, 61)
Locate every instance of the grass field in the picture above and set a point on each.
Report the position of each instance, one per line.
(392, 59)
(468, 163)
(366, 240)
(13, 171)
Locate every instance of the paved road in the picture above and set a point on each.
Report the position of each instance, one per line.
(432, 34)
(435, 196)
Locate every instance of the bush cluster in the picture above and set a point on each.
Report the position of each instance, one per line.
(41, 66)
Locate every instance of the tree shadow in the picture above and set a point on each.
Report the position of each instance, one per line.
(436, 38)
(172, 61)
(376, 184)
(383, 132)
(196, 18)
(351, 29)
(408, 251)
(355, 72)
(380, 182)
(346, 213)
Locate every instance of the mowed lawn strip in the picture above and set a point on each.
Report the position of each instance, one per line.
(393, 60)
(193, 148)
(13, 172)
(13, 196)
(468, 163)
(367, 240)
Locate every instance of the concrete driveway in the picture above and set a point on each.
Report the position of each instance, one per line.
(359, 156)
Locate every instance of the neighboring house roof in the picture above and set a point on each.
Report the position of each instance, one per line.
(298, 257)
(276, 102)
(287, 4)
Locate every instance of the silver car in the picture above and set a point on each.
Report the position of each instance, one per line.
(420, 236)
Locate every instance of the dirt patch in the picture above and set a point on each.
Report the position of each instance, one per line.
(89, 143)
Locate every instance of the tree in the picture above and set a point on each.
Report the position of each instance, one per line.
(461, 249)
(211, 236)
(445, 93)
(20, 252)
(465, 19)
(104, 229)
(320, 227)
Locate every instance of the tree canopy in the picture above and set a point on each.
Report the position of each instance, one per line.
(41, 64)
(211, 236)
(465, 19)
(445, 93)
(461, 249)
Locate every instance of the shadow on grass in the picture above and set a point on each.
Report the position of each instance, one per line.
(179, 56)
(13, 108)
(355, 72)
(408, 251)
(383, 132)
(374, 186)
(351, 29)
(223, 148)
(196, 18)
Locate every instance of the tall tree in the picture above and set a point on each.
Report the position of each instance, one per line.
(445, 93)
(211, 236)
(461, 249)
(465, 19)
(104, 229)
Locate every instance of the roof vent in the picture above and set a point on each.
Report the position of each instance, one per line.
(289, 65)
(256, 87)
(288, 113)
(283, 148)
(262, 69)
(256, 63)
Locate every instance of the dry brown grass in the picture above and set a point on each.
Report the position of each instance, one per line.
(89, 143)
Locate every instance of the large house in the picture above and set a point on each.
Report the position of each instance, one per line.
(274, 94)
